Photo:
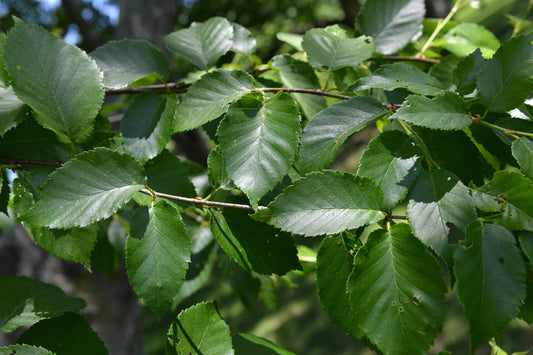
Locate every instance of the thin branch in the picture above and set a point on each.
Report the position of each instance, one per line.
(54, 164)
(414, 58)
(170, 88)
(307, 91)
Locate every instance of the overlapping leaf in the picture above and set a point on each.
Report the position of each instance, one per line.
(392, 23)
(158, 252)
(258, 141)
(61, 84)
(124, 62)
(203, 43)
(12, 110)
(467, 71)
(523, 153)
(23, 349)
(437, 198)
(338, 202)
(490, 280)
(88, 188)
(243, 41)
(467, 37)
(210, 97)
(326, 132)
(397, 292)
(166, 173)
(251, 344)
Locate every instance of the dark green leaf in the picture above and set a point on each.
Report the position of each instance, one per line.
(166, 173)
(326, 132)
(523, 153)
(526, 243)
(124, 62)
(12, 110)
(199, 330)
(146, 125)
(258, 141)
(243, 41)
(158, 252)
(4, 76)
(392, 23)
(467, 37)
(467, 71)
(507, 79)
(400, 75)
(526, 309)
(392, 161)
(438, 198)
(397, 292)
(65, 335)
(88, 188)
(332, 50)
(24, 350)
(447, 111)
(210, 97)
(26, 301)
(265, 251)
(295, 73)
(5, 191)
(490, 280)
(216, 170)
(61, 84)
(338, 202)
(250, 344)
(203, 43)
(443, 70)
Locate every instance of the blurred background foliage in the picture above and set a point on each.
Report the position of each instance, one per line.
(284, 310)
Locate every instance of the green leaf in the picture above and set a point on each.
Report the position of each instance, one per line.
(216, 170)
(295, 73)
(250, 344)
(203, 43)
(437, 198)
(523, 152)
(12, 110)
(328, 202)
(294, 40)
(393, 162)
(467, 71)
(146, 125)
(4, 76)
(447, 111)
(243, 41)
(25, 301)
(166, 173)
(61, 84)
(210, 97)
(258, 141)
(490, 280)
(67, 334)
(86, 189)
(71, 244)
(443, 70)
(326, 132)
(467, 37)
(334, 264)
(199, 330)
(399, 75)
(507, 79)
(392, 23)
(397, 292)
(5, 191)
(265, 251)
(329, 49)
(513, 192)
(24, 350)
(124, 62)
(158, 252)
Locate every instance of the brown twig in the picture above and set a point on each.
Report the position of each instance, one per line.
(414, 58)
(54, 164)
(307, 91)
(170, 88)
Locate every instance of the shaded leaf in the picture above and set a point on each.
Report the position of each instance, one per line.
(490, 280)
(397, 292)
(12, 110)
(5, 191)
(61, 84)
(251, 344)
(216, 170)
(326, 132)
(124, 62)
(523, 152)
(4, 76)
(465, 38)
(467, 71)
(166, 173)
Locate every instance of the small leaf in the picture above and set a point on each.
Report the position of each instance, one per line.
(26, 301)
(88, 188)
(437, 198)
(203, 43)
(393, 162)
(216, 170)
(210, 97)
(250, 344)
(67, 334)
(523, 152)
(12, 110)
(124, 62)
(326, 132)
(490, 280)
(199, 330)
(266, 251)
(392, 23)
(507, 79)
(258, 141)
(399, 75)
(338, 202)
(24, 349)
(467, 71)
(243, 41)
(158, 252)
(397, 292)
(447, 111)
(61, 84)
(292, 39)
(328, 49)
(146, 125)
(467, 37)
